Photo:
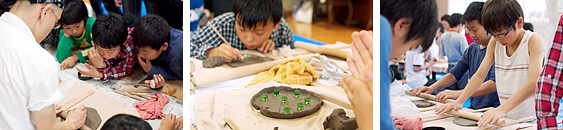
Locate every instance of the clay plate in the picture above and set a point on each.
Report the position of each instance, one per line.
(273, 107)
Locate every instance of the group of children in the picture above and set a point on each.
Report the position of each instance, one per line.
(504, 67)
(113, 49)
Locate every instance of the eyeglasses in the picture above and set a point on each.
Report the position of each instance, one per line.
(57, 25)
(501, 35)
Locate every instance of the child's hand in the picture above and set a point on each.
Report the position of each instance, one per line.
(145, 64)
(66, 34)
(96, 58)
(447, 94)
(361, 61)
(448, 107)
(267, 46)
(422, 89)
(91, 71)
(225, 51)
(360, 95)
(491, 116)
(170, 123)
(69, 62)
(118, 3)
(158, 81)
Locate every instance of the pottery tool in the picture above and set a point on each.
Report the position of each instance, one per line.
(428, 96)
(231, 124)
(128, 95)
(136, 90)
(76, 100)
(146, 95)
(222, 38)
(146, 85)
(323, 50)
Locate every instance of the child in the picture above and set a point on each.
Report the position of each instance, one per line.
(548, 90)
(411, 24)
(470, 61)
(253, 25)
(76, 31)
(444, 21)
(415, 68)
(453, 45)
(160, 49)
(517, 55)
(113, 55)
(434, 50)
(129, 122)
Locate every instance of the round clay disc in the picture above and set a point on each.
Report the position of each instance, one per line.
(423, 103)
(273, 107)
(93, 119)
(464, 122)
(212, 62)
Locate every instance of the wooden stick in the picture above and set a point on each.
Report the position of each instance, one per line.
(428, 108)
(64, 114)
(428, 119)
(76, 100)
(323, 50)
(428, 96)
(482, 109)
(146, 95)
(231, 124)
(129, 95)
(136, 90)
(221, 36)
(146, 85)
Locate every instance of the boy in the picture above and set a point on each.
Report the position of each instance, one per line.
(113, 55)
(453, 45)
(160, 49)
(411, 24)
(517, 55)
(470, 61)
(76, 31)
(548, 90)
(253, 25)
(415, 68)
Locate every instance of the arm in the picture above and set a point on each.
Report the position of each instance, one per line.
(45, 119)
(64, 47)
(205, 39)
(417, 68)
(488, 87)
(174, 72)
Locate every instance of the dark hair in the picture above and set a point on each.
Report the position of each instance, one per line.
(473, 12)
(528, 26)
(454, 20)
(249, 13)
(441, 26)
(423, 13)
(109, 30)
(152, 31)
(445, 17)
(500, 14)
(74, 12)
(126, 122)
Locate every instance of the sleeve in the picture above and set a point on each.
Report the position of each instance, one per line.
(462, 65)
(284, 36)
(205, 39)
(174, 71)
(442, 52)
(123, 67)
(43, 91)
(83, 55)
(418, 59)
(64, 48)
(492, 73)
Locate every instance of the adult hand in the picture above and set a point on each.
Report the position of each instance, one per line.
(69, 61)
(91, 71)
(145, 64)
(58, 109)
(77, 117)
(225, 51)
(267, 46)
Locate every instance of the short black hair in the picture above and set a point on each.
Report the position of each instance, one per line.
(126, 122)
(500, 14)
(109, 30)
(74, 12)
(424, 15)
(152, 31)
(445, 17)
(528, 26)
(249, 13)
(454, 20)
(441, 26)
(473, 12)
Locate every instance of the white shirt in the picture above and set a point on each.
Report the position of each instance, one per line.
(434, 50)
(29, 75)
(415, 79)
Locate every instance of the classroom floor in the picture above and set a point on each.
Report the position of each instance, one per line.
(320, 32)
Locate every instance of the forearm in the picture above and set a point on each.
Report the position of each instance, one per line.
(485, 88)
(522, 94)
(471, 87)
(447, 80)
(45, 119)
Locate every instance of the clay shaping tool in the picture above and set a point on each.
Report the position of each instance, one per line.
(231, 124)
(76, 100)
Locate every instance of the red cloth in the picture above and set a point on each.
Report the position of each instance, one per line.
(152, 108)
(405, 123)
(469, 39)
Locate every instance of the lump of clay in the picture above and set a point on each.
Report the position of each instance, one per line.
(212, 62)
(423, 104)
(338, 120)
(464, 122)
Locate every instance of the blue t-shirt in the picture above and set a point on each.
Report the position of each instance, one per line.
(471, 60)
(453, 46)
(385, 38)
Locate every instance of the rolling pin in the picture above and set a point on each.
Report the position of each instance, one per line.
(428, 96)
(464, 114)
(216, 76)
(323, 50)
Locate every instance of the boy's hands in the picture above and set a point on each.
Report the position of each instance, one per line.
(422, 89)
(158, 81)
(96, 58)
(77, 117)
(360, 96)
(448, 107)
(69, 62)
(447, 94)
(145, 64)
(225, 51)
(491, 116)
(267, 46)
(91, 71)
(171, 123)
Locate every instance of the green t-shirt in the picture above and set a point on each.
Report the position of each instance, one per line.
(65, 44)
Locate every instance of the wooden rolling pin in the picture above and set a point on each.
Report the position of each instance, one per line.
(216, 76)
(464, 114)
(428, 96)
(323, 50)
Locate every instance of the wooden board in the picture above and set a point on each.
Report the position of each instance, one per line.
(174, 88)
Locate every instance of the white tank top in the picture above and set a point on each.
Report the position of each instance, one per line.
(511, 74)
